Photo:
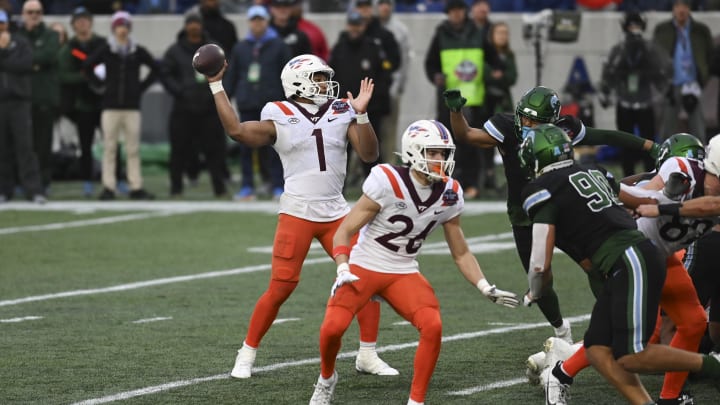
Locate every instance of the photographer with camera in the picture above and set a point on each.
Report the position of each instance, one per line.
(633, 69)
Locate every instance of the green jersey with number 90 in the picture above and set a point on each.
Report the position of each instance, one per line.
(582, 203)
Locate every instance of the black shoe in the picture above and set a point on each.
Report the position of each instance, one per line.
(685, 398)
(106, 194)
(141, 194)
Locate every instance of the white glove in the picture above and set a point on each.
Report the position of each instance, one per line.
(496, 295)
(343, 277)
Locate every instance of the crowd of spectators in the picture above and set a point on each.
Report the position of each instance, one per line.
(410, 6)
(96, 84)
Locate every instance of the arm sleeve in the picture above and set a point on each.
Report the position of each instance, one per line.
(147, 59)
(595, 136)
(432, 59)
(168, 67)
(375, 186)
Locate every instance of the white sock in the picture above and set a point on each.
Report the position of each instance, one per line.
(411, 402)
(367, 346)
(246, 346)
(326, 381)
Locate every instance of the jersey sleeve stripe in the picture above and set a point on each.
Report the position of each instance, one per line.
(455, 186)
(493, 131)
(535, 198)
(393, 181)
(682, 165)
(579, 137)
(283, 108)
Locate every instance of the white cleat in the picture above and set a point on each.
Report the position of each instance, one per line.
(243, 363)
(556, 393)
(535, 365)
(558, 349)
(564, 332)
(368, 361)
(323, 393)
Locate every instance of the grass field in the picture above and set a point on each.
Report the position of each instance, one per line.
(148, 303)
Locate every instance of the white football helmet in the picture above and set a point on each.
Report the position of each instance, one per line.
(712, 156)
(297, 79)
(428, 134)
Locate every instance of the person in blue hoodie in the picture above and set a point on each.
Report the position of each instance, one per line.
(253, 78)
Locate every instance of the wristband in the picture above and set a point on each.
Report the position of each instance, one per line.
(362, 118)
(343, 267)
(670, 209)
(482, 285)
(216, 87)
(341, 250)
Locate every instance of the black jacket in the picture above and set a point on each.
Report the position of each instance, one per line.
(354, 60)
(15, 70)
(123, 87)
(79, 93)
(219, 28)
(296, 40)
(188, 88)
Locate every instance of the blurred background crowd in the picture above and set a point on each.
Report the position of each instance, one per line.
(74, 104)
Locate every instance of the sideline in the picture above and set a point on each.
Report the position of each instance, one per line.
(390, 348)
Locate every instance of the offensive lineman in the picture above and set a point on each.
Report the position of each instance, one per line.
(310, 131)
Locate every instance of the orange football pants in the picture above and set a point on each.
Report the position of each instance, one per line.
(421, 308)
(680, 302)
(293, 237)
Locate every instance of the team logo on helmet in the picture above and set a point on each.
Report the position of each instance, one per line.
(297, 63)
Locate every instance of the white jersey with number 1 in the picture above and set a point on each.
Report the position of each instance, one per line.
(313, 151)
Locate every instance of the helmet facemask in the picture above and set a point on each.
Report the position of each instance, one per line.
(539, 104)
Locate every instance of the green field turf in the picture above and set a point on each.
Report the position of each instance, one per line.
(71, 296)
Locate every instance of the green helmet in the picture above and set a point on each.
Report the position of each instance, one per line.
(680, 145)
(545, 145)
(539, 104)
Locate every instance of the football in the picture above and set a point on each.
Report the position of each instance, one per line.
(209, 59)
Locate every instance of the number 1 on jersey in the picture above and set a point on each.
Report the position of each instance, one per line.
(317, 133)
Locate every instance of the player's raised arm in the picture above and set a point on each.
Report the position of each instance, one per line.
(460, 127)
(360, 132)
(250, 133)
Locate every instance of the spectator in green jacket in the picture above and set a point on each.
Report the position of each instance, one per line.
(45, 84)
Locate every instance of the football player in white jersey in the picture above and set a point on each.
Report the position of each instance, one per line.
(310, 131)
(399, 208)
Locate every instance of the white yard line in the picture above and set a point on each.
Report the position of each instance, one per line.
(156, 319)
(22, 319)
(87, 222)
(283, 320)
(390, 348)
(489, 387)
(150, 283)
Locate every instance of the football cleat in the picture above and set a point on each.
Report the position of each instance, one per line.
(685, 398)
(564, 332)
(558, 349)
(368, 361)
(243, 363)
(324, 391)
(535, 365)
(556, 393)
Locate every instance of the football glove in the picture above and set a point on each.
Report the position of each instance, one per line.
(569, 124)
(496, 295)
(343, 277)
(454, 100)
